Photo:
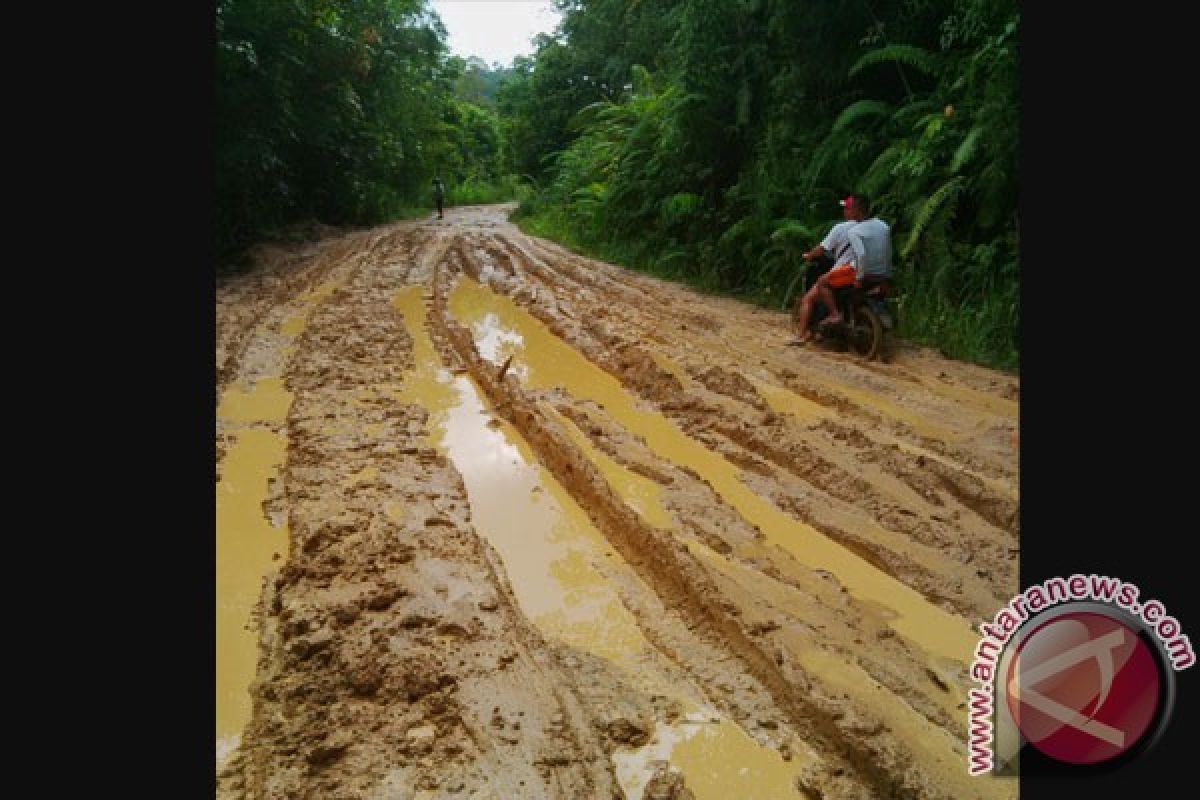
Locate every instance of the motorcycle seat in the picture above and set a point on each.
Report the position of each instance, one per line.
(879, 287)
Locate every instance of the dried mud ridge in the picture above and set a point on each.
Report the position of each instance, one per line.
(394, 659)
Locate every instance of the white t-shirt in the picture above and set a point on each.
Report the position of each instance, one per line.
(837, 242)
(871, 246)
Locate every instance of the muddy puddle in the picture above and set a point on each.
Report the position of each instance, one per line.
(564, 575)
(248, 544)
(785, 401)
(544, 361)
(763, 579)
(247, 547)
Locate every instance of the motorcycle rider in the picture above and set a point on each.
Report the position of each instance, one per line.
(871, 258)
(837, 245)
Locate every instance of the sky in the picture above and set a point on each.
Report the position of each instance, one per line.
(495, 30)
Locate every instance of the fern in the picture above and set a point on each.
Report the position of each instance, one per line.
(918, 107)
(880, 171)
(966, 150)
(664, 261)
(860, 110)
(916, 57)
(929, 211)
(736, 233)
(584, 117)
(791, 230)
(643, 82)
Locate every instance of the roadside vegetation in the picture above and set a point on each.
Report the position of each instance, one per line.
(705, 141)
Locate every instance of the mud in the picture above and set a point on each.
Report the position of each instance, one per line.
(499, 521)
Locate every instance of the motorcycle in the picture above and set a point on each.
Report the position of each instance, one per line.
(867, 319)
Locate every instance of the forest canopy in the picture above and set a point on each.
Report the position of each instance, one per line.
(702, 140)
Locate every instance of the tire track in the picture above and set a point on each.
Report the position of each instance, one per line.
(681, 580)
(758, 549)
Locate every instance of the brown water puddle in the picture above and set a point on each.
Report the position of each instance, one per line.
(931, 558)
(670, 366)
(982, 401)
(920, 424)
(294, 325)
(543, 360)
(943, 758)
(785, 401)
(793, 601)
(266, 401)
(1008, 489)
(718, 759)
(561, 569)
(748, 349)
(642, 494)
(246, 543)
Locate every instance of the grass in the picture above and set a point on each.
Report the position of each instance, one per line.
(470, 193)
(965, 333)
(552, 224)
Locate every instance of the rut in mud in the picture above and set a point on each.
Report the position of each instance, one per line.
(496, 520)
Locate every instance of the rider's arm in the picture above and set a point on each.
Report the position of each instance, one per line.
(859, 258)
(830, 244)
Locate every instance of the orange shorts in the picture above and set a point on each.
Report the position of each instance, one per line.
(841, 276)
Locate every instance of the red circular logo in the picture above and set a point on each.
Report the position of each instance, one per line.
(1083, 688)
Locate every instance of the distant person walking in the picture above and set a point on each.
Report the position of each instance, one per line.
(439, 195)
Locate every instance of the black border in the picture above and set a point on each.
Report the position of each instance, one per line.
(124, 331)
(126, 326)
(1106, 435)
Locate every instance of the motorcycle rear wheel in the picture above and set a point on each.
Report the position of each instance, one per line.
(866, 339)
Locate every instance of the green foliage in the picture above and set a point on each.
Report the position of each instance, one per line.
(477, 83)
(861, 109)
(343, 113)
(965, 151)
(938, 206)
(713, 149)
(908, 55)
(478, 192)
(706, 141)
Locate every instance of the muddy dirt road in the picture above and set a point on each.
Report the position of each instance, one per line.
(499, 521)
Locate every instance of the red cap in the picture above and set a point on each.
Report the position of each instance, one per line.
(848, 200)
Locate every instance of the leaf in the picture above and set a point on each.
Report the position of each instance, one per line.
(916, 57)
(788, 231)
(880, 171)
(930, 209)
(966, 150)
(906, 112)
(860, 110)
(736, 232)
